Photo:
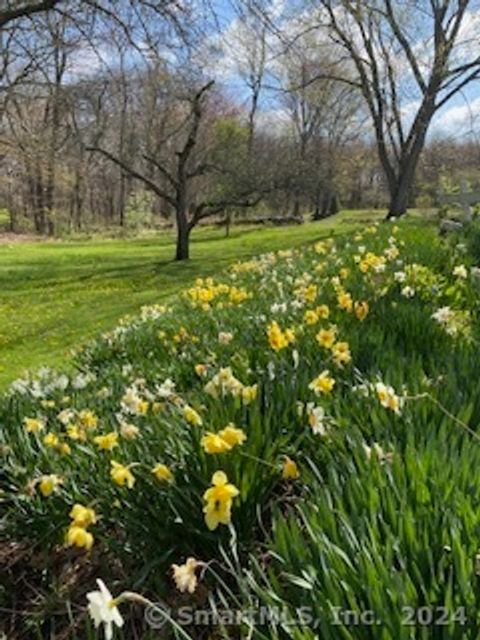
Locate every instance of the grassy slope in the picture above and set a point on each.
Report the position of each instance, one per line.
(54, 295)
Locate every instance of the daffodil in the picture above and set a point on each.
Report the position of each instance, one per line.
(82, 516)
(322, 384)
(361, 310)
(51, 440)
(322, 311)
(277, 338)
(345, 301)
(34, 425)
(184, 575)
(341, 353)
(107, 441)
(191, 416)
(249, 394)
(79, 537)
(219, 498)
(121, 474)
(102, 608)
(47, 484)
(232, 435)
(162, 472)
(388, 398)
(129, 431)
(290, 469)
(214, 443)
(326, 337)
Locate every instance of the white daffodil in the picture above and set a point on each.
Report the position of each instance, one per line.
(102, 608)
(460, 271)
(185, 576)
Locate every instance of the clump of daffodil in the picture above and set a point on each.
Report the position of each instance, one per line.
(225, 383)
(290, 469)
(219, 499)
(322, 384)
(162, 472)
(277, 338)
(121, 474)
(224, 440)
(108, 441)
(77, 534)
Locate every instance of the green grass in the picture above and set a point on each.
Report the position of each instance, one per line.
(55, 295)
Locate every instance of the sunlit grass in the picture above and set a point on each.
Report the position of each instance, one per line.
(55, 295)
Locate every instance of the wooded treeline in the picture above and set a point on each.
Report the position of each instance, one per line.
(141, 112)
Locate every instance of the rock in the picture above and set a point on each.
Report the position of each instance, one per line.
(448, 226)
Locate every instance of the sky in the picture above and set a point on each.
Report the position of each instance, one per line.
(459, 118)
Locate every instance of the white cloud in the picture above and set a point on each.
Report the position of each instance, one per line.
(459, 119)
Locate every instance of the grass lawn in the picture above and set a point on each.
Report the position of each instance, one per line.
(55, 295)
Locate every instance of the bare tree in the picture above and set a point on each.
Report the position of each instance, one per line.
(175, 186)
(410, 59)
(10, 10)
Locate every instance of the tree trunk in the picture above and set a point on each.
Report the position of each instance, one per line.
(183, 228)
(183, 242)
(401, 188)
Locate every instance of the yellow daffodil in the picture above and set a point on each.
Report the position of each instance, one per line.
(48, 484)
(322, 311)
(219, 498)
(232, 435)
(323, 383)
(107, 441)
(249, 394)
(326, 337)
(87, 419)
(121, 474)
(345, 301)
(82, 516)
(310, 317)
(79, 537)
(75, 432)
(162, 472)
(341, 353)
(50, 440)
(361, 310)
(191, 416)
(277, 338)
(214, 443)
(290, 470)
(34, 425)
